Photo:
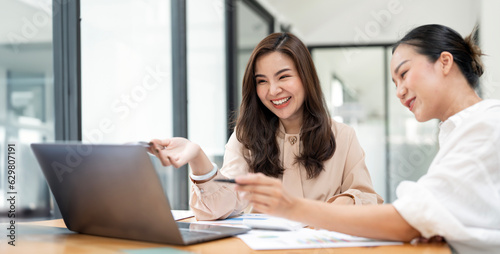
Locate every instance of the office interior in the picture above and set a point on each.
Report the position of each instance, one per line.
(119, 71)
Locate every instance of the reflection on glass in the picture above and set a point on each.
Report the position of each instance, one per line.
(26, 103)
(357, 99)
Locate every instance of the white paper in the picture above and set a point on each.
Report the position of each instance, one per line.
(262, 221)
(305, 239)
(182, 214)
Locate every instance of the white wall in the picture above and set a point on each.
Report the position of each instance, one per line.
(369, 21)
(489, 35)
(28, 23)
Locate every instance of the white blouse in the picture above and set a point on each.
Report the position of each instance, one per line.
(459, 197)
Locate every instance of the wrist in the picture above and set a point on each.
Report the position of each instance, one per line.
(295, 210)
(200, 164)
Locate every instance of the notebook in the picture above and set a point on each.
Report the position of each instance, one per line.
(114, 191)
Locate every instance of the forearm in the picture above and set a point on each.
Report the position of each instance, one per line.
(200, 164)
(372, 221)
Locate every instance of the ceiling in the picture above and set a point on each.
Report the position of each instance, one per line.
(327, 22)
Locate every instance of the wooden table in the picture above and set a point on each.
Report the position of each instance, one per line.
(53, 237)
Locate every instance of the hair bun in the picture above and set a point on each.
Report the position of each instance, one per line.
(477, 63)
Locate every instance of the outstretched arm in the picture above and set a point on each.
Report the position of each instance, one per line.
(373, 221)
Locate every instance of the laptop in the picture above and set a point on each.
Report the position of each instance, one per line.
(114, 191)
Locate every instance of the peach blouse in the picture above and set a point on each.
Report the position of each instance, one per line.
(345, 174)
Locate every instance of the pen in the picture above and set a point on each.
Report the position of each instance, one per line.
(225, 180)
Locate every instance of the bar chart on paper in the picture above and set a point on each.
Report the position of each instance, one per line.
(306, 238)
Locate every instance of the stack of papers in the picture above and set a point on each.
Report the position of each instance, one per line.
(306, 238)
(273, 233)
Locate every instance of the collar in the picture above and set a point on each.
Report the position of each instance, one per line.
(281, 133)
(454, 121)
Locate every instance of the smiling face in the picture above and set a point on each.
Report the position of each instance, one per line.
(280, 89)
(418, 83)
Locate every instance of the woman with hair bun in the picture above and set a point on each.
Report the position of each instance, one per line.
(283, 131)
(435, 72)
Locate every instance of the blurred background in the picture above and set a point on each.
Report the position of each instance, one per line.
(118, 71)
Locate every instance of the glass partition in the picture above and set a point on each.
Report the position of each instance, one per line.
(352, 80)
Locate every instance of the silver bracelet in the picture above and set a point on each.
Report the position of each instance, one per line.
(205, 176)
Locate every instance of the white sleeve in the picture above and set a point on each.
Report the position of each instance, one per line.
(459, 198)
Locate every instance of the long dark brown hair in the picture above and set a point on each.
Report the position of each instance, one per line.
(256, 126)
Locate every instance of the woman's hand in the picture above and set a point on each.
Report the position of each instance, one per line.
(266, 194)
(174, 151)
(179, 151)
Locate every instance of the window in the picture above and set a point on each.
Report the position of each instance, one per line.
(127, 77)
(206, 77)
(26, 101)
(126, 70)
(358, 100)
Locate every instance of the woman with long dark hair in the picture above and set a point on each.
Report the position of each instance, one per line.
(284, 131)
